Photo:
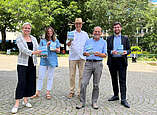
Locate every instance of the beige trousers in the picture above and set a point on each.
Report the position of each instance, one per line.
(72, 72)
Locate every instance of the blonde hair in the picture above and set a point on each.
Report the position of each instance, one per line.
(26, 23)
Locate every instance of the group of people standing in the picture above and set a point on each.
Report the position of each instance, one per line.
(84, 53)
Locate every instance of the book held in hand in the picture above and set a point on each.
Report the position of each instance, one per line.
(120, 50)
(44, 52)
(53, 46)
(89, 49)
(70, 35)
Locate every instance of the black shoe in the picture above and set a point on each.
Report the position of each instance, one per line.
(95, 106)
(125, 103)
(114, 98)
(80, 106)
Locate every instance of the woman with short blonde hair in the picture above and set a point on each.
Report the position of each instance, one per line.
(26, 67)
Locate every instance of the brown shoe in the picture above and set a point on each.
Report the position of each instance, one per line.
(34, 96)
(95, 106)
(70, 95)
(48, 96)
(78, 96)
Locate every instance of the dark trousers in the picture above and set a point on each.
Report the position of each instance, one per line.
(118, 71)
(26, 85)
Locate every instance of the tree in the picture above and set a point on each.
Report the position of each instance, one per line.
(149, 40)
(8, 18)
(40, 14)
(37, 12)
(129, 12)
(63, 15)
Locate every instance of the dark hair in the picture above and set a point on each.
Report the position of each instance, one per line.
(53, 37)
(117, 23)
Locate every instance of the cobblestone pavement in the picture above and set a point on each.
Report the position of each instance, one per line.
(141, 93)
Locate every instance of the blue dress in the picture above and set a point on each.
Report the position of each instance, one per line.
(52, 59)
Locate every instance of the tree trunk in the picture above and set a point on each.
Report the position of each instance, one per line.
(3, 33)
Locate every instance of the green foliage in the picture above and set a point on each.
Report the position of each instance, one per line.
(129, 13)
(8, 18)
(133, 14)
(153, 64)
(62, 55)
(37, 13)
(40, 13)
(145, 52)
(8, 14)
(135, 50)
(149, 42)
(146, 58)
(65, 14)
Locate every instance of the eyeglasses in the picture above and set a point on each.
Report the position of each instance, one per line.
(78, 23)
(97, 31)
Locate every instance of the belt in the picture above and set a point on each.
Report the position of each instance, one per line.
(89, 60)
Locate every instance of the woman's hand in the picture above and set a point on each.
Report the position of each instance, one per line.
(57, 50)
(36, 52)
(48, 43)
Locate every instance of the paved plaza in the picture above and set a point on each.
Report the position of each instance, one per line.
(141, 92)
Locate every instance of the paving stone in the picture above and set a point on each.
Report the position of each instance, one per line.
(141, 92)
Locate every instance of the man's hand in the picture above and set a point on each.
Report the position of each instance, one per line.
(114, 52)
(97, 53)
(100, 54)
(69, 43)
(86, 54)
(124, 52)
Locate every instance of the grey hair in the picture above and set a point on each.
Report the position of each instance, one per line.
(26, 23)
(97, 27)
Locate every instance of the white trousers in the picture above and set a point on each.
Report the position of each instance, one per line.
(42, 74)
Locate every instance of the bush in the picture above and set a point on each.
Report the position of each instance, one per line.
(135, 48)
(148, 57)
(145, 52)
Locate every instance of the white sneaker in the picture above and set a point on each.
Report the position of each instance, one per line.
(14, 109)
(26, 104)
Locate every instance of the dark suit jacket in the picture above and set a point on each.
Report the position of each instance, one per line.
(126, 46)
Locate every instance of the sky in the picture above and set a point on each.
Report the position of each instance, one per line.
(154, 1)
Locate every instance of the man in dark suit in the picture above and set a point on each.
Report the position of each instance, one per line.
(118, 48)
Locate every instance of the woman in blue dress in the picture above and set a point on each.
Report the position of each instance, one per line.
(49, 62)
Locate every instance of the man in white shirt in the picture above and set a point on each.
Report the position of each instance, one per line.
(76, 57)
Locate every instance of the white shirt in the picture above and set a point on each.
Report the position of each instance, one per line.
(77, 45)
